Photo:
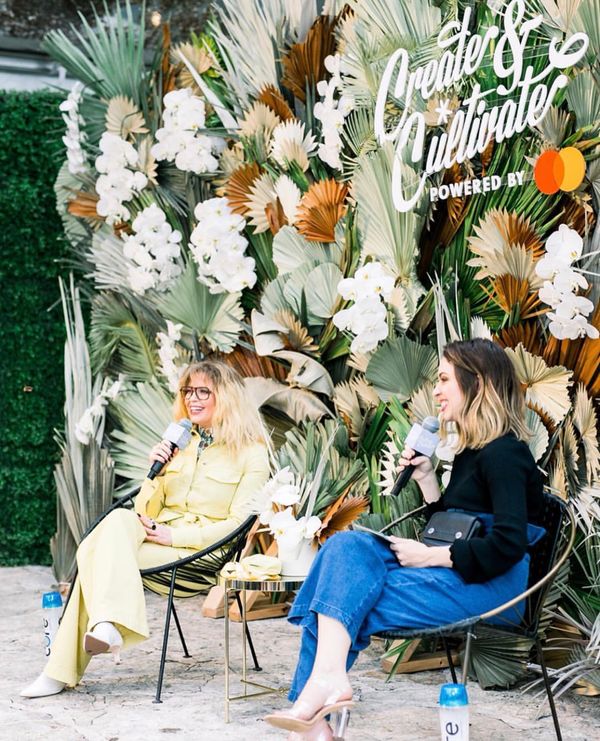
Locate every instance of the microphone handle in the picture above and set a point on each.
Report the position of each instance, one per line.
(158, 466)
(402, 480)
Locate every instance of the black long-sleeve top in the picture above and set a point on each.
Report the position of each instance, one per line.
(501, 478)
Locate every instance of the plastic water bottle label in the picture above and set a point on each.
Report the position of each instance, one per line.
(51, 613)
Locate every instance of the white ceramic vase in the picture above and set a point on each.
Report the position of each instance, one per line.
(297, 560)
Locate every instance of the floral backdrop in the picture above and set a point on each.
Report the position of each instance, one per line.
(229, 195)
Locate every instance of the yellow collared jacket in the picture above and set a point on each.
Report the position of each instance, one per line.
(204, 497)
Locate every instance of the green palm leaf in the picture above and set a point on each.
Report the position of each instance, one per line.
(142, 413)
(387, 234)
(215, 318)
(400, 366)
(109, 61)
(119, 342)
(291, 250)
(582, 96)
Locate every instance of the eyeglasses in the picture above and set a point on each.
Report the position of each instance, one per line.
(200, 392)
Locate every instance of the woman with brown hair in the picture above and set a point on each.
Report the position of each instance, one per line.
(203, 493)
(360, 585)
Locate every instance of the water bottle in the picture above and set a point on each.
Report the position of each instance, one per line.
(454, 712)
(52, 610)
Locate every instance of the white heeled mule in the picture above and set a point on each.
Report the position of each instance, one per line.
(103, 638)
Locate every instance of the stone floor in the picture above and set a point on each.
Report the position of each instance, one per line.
(114, 703)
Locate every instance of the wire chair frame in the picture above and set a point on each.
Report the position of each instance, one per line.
(547, 558)
(185, 577)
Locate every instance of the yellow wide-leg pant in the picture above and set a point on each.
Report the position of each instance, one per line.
(108, 588)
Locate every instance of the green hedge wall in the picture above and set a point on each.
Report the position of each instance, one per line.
(31, 327)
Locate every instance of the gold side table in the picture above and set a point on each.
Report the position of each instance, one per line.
(281, 584)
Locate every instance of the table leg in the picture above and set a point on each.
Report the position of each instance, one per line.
(226, 616)
(244, 644)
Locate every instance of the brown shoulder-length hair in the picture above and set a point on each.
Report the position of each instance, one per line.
(494, 400)
(236, 420)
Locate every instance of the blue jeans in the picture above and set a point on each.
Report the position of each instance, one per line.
(357, 580)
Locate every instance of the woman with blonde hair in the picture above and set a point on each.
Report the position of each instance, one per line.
(203, 493)
(360, 585)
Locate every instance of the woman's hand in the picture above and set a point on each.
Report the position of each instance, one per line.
(162, 452)
(156, 533)
(421, 464)
(415, 554)
(422, 473)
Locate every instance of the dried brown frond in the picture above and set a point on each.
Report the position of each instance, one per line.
(486, 155)
(304, 63)
(83, 205)
(200, 60)
(508, 292)
(122, 227)
(275, 216)
(579, 214)
(547, 420)
(249, 364)
(582, 356)
(237, 188)
(320, 209)
(341, 514)
(297, 338)
(167, 69)
(273, 98)
(524, 333)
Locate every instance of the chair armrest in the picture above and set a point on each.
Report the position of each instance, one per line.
(405, 516)
(547, 578)
(120, 502)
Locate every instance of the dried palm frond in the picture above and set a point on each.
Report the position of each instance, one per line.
(147, 161)
(569, 454)
(422, 404)
(289, 195)
(124, 118)
(342, 513)
(540, 438)
(359, 361)
(250, 365)
(262, 194)
(200, 59)
(546, 387)
(83, 205)
(275, 216)
(585, 422)
(506, 244)
(456, 207)
(304, 63)
(553, 127)
(290, 144)
(167, 69)
(508, 292)
(237, 189)
(486, 155)
(525, 333)
(557, 480)
(321, 208)
(259, 120)
(388, 465)
(578, 212)
(366, 393)
(348, 407)
(296, 336)
(581, 356)
(273, 98)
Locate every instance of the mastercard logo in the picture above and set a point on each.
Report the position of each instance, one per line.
(559, 170)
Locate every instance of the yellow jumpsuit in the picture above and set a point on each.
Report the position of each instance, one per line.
(201, 498)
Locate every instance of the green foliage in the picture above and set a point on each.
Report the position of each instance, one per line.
(31, 327)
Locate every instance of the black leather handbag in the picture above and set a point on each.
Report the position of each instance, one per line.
(445, 527)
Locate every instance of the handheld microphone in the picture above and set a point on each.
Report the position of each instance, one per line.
(178, 434)
(423, 439)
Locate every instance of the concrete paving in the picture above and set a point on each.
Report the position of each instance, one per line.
(114, 703)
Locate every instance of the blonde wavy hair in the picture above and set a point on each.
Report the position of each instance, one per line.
(494, 400)
(236, 422)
